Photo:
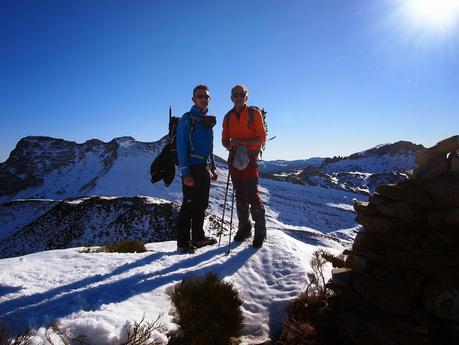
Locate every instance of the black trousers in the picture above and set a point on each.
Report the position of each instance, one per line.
(194, 205)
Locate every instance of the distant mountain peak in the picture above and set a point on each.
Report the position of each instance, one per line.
(42, 166)
(125, 139)
(398, 148)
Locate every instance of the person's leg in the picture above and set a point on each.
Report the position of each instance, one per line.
(242, 206)
(201, 201)
(257, 209)
(184, 218)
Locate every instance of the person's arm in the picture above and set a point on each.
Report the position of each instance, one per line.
(213, 169)
(226, 135)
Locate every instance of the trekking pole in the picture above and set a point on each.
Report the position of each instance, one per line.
(224, 208)
(231, 221)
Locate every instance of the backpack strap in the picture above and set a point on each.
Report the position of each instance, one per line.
(250, 118)
(193, 123)
(227, 118)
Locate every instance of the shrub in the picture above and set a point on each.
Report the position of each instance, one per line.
(141, 333)
(306, 310)
(297, 333)
(336, 261)
(56, 333)
(208, 310)
(13, 333)
(124, 246)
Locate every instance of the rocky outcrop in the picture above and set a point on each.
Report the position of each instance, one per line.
(401, 280)
(44, 167)
(35, 158)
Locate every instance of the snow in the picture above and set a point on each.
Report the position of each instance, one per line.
(373, 164)
(98, 293)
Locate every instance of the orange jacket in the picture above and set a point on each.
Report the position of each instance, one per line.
(239, 128)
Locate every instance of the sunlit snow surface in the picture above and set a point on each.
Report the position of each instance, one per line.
(97, 294)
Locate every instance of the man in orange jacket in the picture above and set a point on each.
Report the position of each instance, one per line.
(244, 133)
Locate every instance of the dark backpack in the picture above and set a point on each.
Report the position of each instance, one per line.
(163, 166)
(173, 123)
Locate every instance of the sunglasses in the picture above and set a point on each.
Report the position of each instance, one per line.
(240, 94)
(202, 96)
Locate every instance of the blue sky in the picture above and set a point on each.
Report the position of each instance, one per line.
(336, 77)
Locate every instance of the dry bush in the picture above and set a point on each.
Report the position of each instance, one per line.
(336, 261)
(208, 310)
(142, 332)
(298, 333)
(63, 336)
(303, 313)
(124, 246)
(13, 333)
(317, 286)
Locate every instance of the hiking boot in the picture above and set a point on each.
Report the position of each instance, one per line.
(206, 241)
(258, 241)
(242, 235)
(189, 249)
(258, 215)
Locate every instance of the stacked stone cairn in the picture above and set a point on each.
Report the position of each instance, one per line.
(400, 283)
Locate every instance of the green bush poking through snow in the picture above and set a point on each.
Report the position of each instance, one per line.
(125, 246)
(208, 310)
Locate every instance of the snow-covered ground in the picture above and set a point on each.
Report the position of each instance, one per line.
(97, 294)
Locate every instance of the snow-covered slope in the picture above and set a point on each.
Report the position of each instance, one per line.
(14, 215)
(282, 165)
(384, 158)
(360, 172)
(43, 167)
(302, 211)
(89, 221)
(98, 293)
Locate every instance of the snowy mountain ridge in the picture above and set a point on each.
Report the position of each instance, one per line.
(383, 158)
(44, 167)
(360, 172)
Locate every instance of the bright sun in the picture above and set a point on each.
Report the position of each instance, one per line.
(437, 14)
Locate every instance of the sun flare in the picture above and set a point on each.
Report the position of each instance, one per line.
(437, 14)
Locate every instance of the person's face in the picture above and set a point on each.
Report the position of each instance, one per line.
(239, 97)
(201, 98)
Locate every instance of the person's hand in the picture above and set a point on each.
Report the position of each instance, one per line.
(188, 181)
(233, 143)
(213, 174)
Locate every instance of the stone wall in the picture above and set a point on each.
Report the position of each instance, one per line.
(401, 280)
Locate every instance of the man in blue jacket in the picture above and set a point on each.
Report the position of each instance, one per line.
(197, 166)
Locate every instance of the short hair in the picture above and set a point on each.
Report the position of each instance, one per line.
(240, 86)
(200, 87)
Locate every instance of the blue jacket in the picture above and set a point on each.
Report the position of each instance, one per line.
(198, 150)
